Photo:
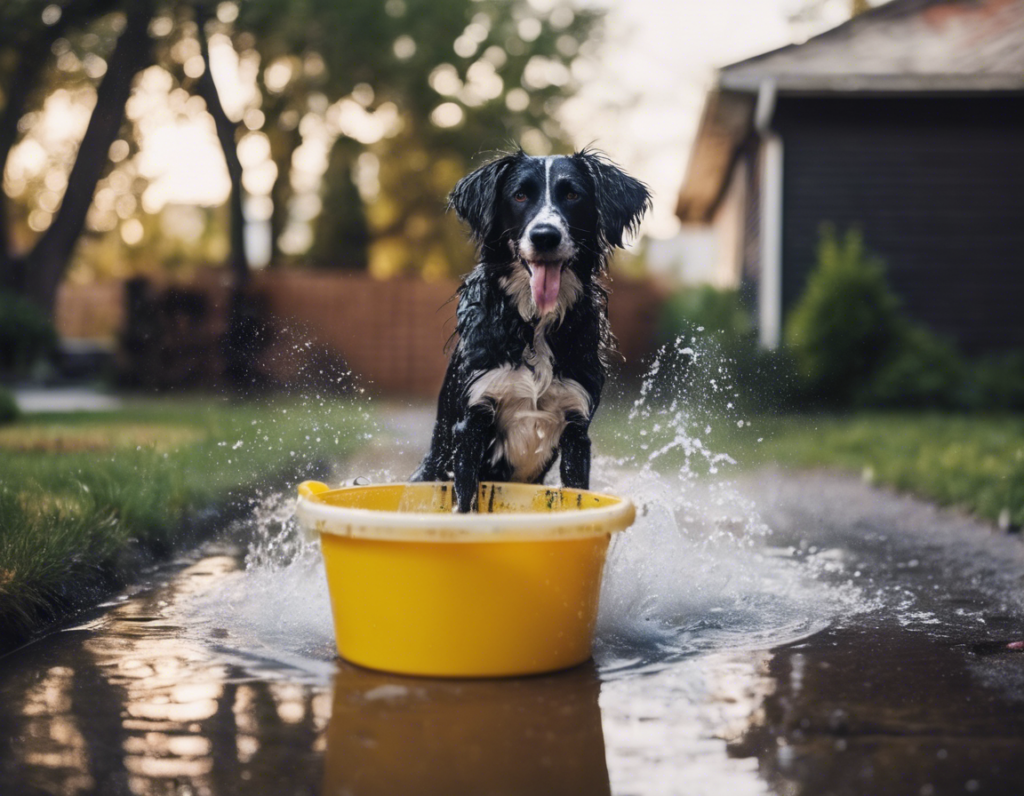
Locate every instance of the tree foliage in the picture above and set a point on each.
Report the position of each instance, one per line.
(363, 114)
(36, 272)
(435, 78)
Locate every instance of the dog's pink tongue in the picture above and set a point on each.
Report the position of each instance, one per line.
(544, 283)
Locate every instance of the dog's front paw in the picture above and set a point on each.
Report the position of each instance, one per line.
(465, 500)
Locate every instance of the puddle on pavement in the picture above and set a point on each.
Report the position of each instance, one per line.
(898, 685)
(786, 634)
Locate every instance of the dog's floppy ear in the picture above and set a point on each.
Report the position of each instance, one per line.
(475, 197)
(621, 200)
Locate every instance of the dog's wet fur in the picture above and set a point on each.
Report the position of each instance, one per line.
(533, 340)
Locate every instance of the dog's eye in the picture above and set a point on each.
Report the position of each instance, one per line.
(572, 196)
(520, 196)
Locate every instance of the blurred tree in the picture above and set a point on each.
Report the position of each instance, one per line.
(227, 131)
(38, 272)
(26, 40)
(343, 126)
(46, 262)
(416, 91)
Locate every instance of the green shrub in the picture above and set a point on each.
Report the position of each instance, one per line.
(708, 310)
(995, 383)
(26, 334)
(848, 344)
(8, 407)
(852, 346)
(846, 323)
(921, 371)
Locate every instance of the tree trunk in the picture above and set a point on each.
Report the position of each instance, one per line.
(24, 77)
(247, 333)
(283, 144)
(34, 55)
(48, 260)
(226, 129)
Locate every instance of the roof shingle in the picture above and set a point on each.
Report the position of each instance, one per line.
(902, 45)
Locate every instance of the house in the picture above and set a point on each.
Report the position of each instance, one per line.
(906, 122)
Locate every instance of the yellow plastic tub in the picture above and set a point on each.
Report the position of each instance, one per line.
(417, 589)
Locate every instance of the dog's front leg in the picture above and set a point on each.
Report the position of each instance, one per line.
(574, 447)
(471, 435)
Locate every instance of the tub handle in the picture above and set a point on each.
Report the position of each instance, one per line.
(308, 489)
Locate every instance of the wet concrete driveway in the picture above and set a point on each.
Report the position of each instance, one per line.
(908, 689)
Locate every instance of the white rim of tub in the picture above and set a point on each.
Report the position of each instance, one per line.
(421, 526)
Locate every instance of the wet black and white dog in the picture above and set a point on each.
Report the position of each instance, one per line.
(526, 374)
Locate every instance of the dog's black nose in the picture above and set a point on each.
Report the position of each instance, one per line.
(545, 237)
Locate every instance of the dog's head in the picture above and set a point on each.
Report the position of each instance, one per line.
(543, 215)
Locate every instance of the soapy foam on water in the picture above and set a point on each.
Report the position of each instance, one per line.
(696, 573)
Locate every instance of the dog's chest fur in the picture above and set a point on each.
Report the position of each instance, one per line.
(530, 407)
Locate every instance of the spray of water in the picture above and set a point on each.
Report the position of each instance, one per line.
(696, 573)
(698, 570)
(274, 609)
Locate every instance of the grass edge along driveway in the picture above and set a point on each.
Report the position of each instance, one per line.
(971, 461)
(87, 498)
(974, 462)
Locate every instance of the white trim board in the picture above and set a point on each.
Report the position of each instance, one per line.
(769, 294)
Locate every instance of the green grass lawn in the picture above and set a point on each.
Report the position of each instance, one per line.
(972, 461)
(86, 497)
(975, 462)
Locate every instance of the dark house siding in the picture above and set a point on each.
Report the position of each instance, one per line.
(750, 268)
(937, 187)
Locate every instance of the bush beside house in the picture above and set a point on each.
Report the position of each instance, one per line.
(846, 323)
(8, 407)
(847, 344)
(854, 347)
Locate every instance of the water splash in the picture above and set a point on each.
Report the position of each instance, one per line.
(275, 609)
(697, 573)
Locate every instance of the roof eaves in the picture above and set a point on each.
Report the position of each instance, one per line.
(881, 83)
(725, 124)
(895, 8)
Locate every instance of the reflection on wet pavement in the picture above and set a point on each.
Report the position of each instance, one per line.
(883, 711)
(390, 735)
(141, 709)
(916, 695)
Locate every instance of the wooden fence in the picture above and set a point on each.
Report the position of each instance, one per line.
(390, 333)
